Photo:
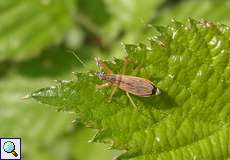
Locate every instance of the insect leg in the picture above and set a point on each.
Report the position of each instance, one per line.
(123, 72)
(102, 85)
(131, 100)
(102, 65)
(112, 93)
(125, 66)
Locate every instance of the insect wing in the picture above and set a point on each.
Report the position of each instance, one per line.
(137, 86)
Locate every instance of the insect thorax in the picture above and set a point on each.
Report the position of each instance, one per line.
(114, 79)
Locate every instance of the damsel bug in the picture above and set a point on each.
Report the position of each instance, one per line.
(130, 84)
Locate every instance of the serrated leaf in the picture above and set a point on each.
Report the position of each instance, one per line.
(188, 120)
(29, 26)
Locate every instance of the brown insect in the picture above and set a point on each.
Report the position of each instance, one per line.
(130, 84)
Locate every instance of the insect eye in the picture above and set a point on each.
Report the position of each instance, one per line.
(100, 75)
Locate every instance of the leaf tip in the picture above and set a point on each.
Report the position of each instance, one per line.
(28, 96)
(121, 156)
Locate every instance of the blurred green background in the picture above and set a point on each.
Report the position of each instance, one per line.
(36, 41)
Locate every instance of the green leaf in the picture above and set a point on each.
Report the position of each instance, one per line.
(188, 120)
(214, 11)
(29, 26)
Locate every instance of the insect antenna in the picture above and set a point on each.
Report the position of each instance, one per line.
(98, 62)
(77, 57)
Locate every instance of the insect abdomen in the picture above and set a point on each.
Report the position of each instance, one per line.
(136, 85)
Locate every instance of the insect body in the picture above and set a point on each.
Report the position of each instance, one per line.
(135, 85)
(131, 84)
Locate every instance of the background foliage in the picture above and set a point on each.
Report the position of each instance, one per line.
(35, 40)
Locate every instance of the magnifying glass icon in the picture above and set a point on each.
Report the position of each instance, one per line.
(9, 147)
